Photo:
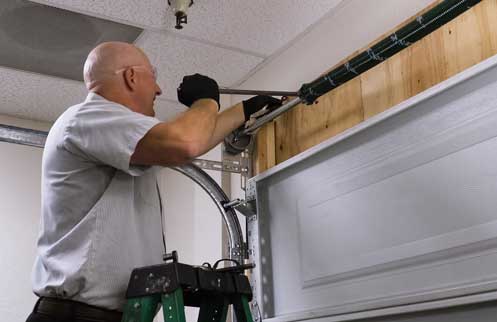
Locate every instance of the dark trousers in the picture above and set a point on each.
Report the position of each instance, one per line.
(57, 310)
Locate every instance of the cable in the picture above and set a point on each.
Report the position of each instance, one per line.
(225, 260)
(161, 218)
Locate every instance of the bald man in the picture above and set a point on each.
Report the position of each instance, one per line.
(101, 208)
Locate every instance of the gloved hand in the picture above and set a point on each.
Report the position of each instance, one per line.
(258, 102)
(195, 87)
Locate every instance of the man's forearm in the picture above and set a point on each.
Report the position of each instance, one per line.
(199, 123)
(227, 121)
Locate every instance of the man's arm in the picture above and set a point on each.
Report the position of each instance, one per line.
(179, 141)
(197, 130)
(227, 121)
(235, 116)
(192, 134)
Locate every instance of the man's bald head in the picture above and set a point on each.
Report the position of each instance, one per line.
(108, 57)
(121, 73)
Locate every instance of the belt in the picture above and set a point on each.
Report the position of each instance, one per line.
(77, 311)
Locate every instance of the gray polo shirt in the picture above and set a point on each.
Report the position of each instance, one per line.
(100, 216)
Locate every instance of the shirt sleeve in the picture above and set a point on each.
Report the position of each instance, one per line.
(108, 134)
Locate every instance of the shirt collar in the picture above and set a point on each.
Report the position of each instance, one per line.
(92, 97)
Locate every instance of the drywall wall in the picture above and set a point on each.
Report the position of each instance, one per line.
(19, 217)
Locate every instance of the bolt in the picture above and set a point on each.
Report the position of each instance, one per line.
(150, 275)
(136, 277)
(147, 290)
(137, 305)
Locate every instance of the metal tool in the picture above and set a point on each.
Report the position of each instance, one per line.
(231, 91)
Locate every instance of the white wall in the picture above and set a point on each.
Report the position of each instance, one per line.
(193, 223)
(19, 216)
(20, 182)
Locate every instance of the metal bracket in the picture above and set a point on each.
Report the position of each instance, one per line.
(250, 192)
(241, 206)
(243, 160)
(233, 166)
(240, 251)
(244, 209)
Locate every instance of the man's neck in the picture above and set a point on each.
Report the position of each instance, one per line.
(115, 96)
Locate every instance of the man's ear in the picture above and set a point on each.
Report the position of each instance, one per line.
(130, 78)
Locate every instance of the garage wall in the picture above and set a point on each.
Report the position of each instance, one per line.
(19, 217)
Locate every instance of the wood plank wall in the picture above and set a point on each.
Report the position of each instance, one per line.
(463, 42)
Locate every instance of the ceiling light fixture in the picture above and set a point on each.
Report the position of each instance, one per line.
(179, 9)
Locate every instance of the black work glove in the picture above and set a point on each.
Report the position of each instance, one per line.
(195, 87)
(258, 102)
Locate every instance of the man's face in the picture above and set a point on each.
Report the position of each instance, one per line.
(147, 89)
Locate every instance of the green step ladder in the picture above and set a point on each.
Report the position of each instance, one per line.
(175, 285)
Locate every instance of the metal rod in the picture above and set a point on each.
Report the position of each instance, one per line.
(271, 116)
(231, 91)
(19, 135)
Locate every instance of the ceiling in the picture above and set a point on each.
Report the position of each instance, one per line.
(225, 39)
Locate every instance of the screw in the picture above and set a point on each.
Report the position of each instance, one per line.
(136, 277)
(137, 305)
(147, 290)
(150, 275)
